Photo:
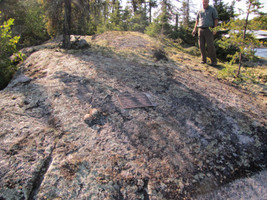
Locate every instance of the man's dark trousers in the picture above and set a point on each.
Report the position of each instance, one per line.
(206, 36)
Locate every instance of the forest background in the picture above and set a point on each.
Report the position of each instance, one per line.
(26, 23)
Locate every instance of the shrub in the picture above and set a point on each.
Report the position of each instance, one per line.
(185, 33)
(7, 48)
(153, 30)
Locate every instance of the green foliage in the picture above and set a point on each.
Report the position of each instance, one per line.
(34, 31)
(161, 25)
(29, 22)
(235, 43)
(247, 75)
(7, 48)
(164, 18)
(91, 17)
(54, 16)
(185, 33)
(228, 72)
(225, 49)
(154, 29)
(11, 9)
(115, 18)
(225, 12)
(80, 23)
(138, 23)
(8, 44)
(126, 19)
(239, 38)
(259, 22)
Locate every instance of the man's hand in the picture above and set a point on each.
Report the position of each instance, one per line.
(195, 29)
(194, 33)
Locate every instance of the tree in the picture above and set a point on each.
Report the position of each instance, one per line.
(80, 17)
(54, 10)
(137, 5)
(115, 16)
(185, 12)
(259, 22)
(239, 38)
(152, 4)
(9, 9)
(29, 21)
(161, 25)
(34, 23)
(60, 12)
(165, 17)
(253, 6)
(138, 20)
(8, 43)
(225, 12)
(67, 24)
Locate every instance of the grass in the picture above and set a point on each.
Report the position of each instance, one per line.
(248, 74)
(252, 79)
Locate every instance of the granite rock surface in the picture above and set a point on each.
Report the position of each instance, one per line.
(64, 134)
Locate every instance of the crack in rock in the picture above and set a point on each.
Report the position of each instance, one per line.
(38, 179)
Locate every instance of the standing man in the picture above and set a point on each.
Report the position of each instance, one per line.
(207, 18)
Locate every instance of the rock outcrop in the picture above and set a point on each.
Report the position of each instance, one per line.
(64, 134)
(254, 187)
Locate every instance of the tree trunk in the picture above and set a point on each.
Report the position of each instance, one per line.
(134, 3)
(66, 25)
(244, 37)
(150, 11)
(187, 13)
(176, 22)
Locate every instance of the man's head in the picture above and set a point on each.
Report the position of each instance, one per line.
(205, 4)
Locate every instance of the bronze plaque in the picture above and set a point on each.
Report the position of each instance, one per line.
(135, 100)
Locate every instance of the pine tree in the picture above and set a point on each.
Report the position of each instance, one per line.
(239, 38)
(253, 6)
(60, 12)
(161, 25)
(115, 16)
(152, 4)
(259, 22)
(225, 12)
(165, 17)
(80, 17)
(54, 13)
(185, 12)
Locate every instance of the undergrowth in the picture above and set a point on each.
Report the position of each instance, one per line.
(248, 75)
